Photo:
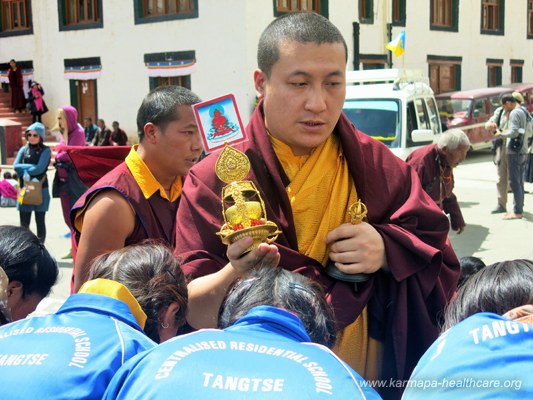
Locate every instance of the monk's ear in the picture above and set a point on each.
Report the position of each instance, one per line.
(150, 132)
(14, 292)
(260, 80)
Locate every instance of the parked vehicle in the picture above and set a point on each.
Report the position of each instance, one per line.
(470, 110)
(396, 107)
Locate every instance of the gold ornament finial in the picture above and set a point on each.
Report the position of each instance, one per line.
(357, 212)
(243, 208)
(232, 165)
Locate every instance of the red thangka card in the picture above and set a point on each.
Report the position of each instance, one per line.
(219, 122)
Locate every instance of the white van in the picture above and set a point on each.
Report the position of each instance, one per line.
(396, 107)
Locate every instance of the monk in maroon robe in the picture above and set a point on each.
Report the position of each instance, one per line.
(403, 246)
(434, 165)
(16, 86)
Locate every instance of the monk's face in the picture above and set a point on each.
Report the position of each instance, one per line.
(304, 95)
(179, 145)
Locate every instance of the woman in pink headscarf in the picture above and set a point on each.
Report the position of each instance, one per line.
(66, 186)
(36, 102)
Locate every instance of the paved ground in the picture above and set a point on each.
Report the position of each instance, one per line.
(486, 236)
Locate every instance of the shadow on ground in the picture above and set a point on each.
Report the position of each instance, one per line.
(468, 204)
(470, 241)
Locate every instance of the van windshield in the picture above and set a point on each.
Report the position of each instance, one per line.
(379, 118)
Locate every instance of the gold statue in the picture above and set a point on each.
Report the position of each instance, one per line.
(243, 208)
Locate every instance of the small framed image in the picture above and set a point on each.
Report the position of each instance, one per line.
(219, 122)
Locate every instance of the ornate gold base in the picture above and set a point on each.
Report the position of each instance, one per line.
(266, 233)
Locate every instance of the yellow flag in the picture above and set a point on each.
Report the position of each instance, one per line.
(397, 45)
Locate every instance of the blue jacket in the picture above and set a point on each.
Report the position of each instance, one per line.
(485, 356)
(72, 354)
(264, 355)
(35, 159)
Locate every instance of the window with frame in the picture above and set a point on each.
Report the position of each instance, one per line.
(492, 16)
(398, 12)
(177, 66)
(163, 10)
(373, 61)
(516, 71)
(494, 74)
(444, 15)
(156, 8)
(285, 6)
(157, 81)
(366, 11)
(81, 12)
(530, 19)
(15, 15)
(373, 64)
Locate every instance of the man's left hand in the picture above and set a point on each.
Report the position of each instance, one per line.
(356, 248)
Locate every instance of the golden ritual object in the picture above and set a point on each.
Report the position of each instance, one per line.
(357, 212)
(243, 208)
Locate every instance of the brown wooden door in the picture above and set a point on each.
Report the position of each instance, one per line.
(442, 77)
(86, 99)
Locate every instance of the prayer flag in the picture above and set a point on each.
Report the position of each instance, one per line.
(397, 45)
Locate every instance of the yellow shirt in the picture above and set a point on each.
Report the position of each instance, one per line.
(146, 180)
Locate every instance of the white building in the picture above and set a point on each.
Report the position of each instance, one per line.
(98, 54)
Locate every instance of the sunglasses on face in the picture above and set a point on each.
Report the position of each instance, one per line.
(32, 135)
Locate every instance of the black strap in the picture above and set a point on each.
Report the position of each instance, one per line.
(499, 118)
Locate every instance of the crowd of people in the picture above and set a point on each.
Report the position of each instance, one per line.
(100, 135)
(268, 320)
(35, 156)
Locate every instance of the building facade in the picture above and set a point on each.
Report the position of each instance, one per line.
(103, 56)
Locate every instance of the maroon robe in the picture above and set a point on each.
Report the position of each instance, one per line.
(432, 169)
(154, 218)
(16, 86)
(403, 304)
